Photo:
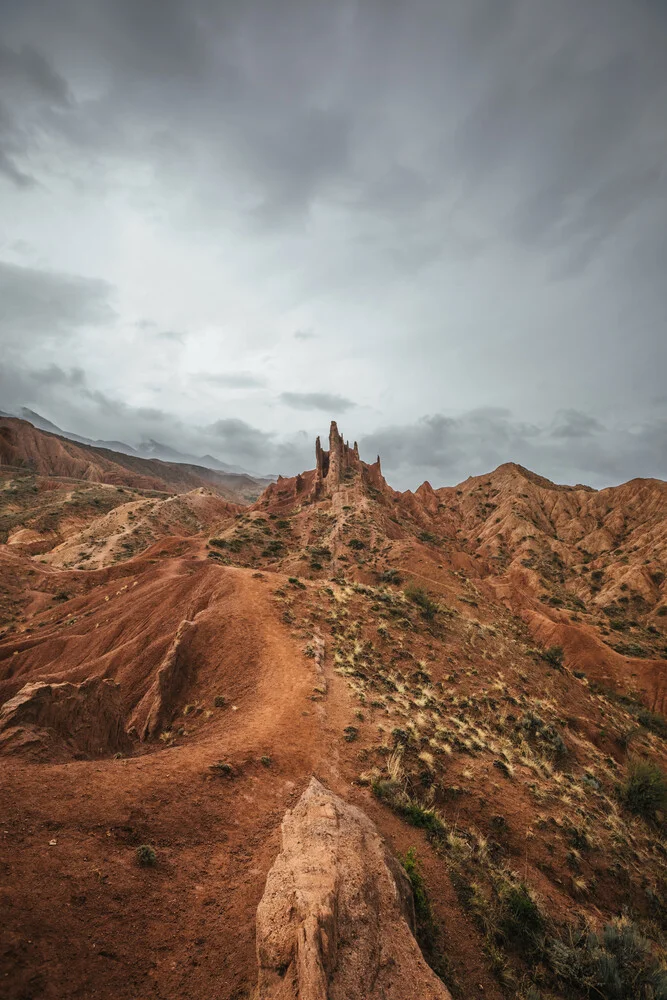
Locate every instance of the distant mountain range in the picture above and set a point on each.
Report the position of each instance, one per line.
(145, 449)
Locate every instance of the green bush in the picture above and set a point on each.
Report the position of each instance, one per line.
(554, 656)
(645, 791)
(428, 607)
(146, 856)
(521, 919)
(391, 792)
(653, 722)
(427, 930)
(616, 964)
(423, 911)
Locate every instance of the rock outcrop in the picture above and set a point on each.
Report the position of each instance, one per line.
(65, 719)
(156, 707)
(336, 918)
(333, 466)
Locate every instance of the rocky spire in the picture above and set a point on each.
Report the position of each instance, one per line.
(331, 466)
(337, 454)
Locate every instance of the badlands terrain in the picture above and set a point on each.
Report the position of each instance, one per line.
(326, 739)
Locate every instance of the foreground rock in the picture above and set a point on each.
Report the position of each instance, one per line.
(336, 918)
(65, 720)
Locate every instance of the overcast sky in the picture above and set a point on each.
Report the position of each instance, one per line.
(442, 223)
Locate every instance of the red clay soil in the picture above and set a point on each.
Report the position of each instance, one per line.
(22, 445)
(294, 646)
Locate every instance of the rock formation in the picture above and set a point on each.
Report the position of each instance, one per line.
(74, 718)
(332, 465)
(336, 918)
(156, 707)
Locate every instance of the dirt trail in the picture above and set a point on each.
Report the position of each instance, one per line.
(216, 837)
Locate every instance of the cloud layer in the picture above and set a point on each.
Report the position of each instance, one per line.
(264, 215)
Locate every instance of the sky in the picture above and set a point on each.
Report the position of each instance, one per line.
(223, 224)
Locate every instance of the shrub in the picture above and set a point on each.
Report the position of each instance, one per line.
(221, 767)
(554, 656)
(273, 548)
(645, 791)
(520, 917)
(392, 792)
(357, 544)
(428, 607)
(423, 911)
(616, 964)
(146, 856)
(219, 701)
(426, 925)
(543, 733)
(220, 543)
(296, 582)
(632, 649)
(653, 722)
(425, 819)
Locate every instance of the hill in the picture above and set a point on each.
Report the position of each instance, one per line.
(23, 445)
(478, 672)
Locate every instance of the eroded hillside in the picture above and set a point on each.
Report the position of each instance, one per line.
(480, 669)
(23, 446)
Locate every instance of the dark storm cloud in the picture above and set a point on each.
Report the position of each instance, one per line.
(30, 87)
(236, 437)
(26, 69)
(172, 74)
(38, 305)
(447, 450)
(406, 179)
(54, 375)
(329, 402)
(572, 447)
(573, 424)
(564, 102)
(9, 168)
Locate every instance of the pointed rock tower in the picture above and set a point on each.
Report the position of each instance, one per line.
(332, 465)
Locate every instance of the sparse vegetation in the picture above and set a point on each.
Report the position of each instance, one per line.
(146, 856)
(618, 963)
(554, 656)
(429, 608)
(645, 791)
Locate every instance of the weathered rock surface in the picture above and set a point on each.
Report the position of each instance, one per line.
(332, 466)
(69, 718)
(335, 921)
(157, 706)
